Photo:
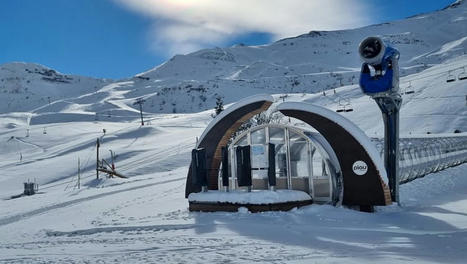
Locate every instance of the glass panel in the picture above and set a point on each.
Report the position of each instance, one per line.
(258, 137)
(243, 141)
(298, 155)
(259, 157)
(281, 160)
(322, 187)
(319, 166)
(259, 174)
(276, 137)
(295, 137)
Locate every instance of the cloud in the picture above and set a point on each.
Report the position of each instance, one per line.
(182, 26)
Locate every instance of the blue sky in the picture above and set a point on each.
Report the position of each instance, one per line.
(120, 38)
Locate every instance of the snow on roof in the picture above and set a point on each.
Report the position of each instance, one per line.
(253, 197)
(348, 125)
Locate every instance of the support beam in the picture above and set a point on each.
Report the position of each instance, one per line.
(390, 108)
(140, 102)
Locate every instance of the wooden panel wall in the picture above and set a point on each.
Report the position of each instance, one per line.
(219, 136)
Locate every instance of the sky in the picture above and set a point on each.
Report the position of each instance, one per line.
(120, 38)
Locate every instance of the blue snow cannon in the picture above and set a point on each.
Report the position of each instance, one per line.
(379, 76)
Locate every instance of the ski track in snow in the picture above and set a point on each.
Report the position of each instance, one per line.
(311, 234)
(15, 218)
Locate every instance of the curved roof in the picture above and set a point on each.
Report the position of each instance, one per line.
(348, 125)
(219, 131)
(233, 108)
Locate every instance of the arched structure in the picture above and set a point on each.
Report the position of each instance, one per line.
(220, 130)
(364, 181)
(304, 161)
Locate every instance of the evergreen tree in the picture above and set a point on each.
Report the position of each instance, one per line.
(219, 105)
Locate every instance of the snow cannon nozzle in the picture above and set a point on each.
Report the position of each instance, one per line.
(379, 76)
(374, 51)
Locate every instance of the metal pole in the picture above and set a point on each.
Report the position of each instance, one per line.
(79, 174)
(97, 159)
(141, 112)
(390, 108)
(140, 101)
(112, 160)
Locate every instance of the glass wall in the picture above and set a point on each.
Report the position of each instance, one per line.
(277, 137)
(299, 156)
(299, 165)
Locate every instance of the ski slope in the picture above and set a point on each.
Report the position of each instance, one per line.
(144, 219)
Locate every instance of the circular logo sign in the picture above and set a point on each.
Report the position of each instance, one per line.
(359, 167)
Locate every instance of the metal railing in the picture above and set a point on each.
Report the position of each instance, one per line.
(420, 156)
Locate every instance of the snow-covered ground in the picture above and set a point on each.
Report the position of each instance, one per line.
(144, 219)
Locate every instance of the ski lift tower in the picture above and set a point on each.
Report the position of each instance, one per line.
(140, 102)
(379, 78)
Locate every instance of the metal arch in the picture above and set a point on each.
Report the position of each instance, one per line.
(331, 159)
(258, 127)
(324, 148)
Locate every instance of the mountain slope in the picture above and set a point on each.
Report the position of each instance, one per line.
(26, 86)
(309, 63)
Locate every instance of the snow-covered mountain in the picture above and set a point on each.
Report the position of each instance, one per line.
(309, 63)
(28, 86)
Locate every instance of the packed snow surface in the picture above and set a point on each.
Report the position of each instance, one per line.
(145, 218)
(253, 197)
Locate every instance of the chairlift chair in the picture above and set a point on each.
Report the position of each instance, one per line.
(341, 107)
(348, 106)
(450, 77)
(344, 107)
(348, 110)
(409, 89)
(462, 75)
